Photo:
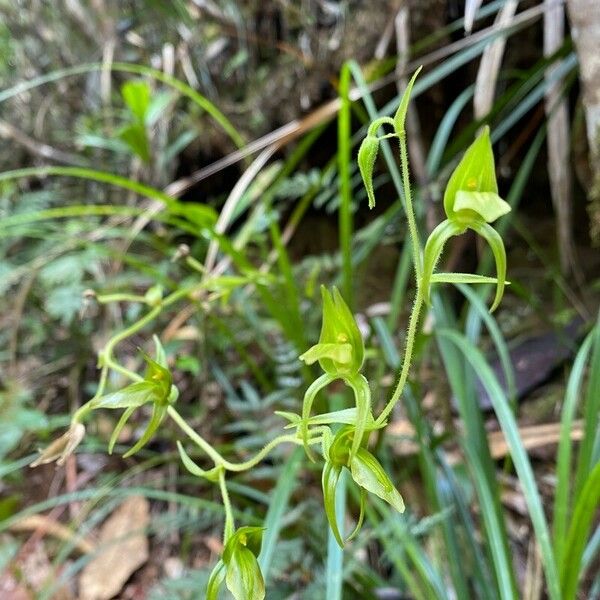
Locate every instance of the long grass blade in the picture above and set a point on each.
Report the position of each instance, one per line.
(518, 454)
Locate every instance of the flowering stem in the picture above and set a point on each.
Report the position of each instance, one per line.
(219, 460)
(229, 524)
(410, 341)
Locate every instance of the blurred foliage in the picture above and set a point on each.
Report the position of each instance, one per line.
(233, 349)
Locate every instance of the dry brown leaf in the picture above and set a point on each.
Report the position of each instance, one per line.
(125, 550)
(491, 61)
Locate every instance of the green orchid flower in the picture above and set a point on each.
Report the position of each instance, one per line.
(239, 567)
(471, 201)
(366, 471)
(340, 353)
(155, 388)
(340, 350)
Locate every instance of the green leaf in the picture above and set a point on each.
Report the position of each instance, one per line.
(486, 204)
(244, 578)
(135, 136)
(367, 155)
(583, 517)
(368, 473)
(400, 116)
(329, 481)
(132, 396)
(136, 95)
(475, 172)
(462, 278)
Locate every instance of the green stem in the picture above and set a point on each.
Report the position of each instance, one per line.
(410, 341)
(229, 524)
(106, 298)
(408, 206)
(219, 460)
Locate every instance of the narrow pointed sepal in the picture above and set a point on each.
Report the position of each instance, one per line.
(329, 480)
(497, 245)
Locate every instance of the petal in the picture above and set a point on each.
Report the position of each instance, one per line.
(486, 204)
(339, 353)
(368, 473)
(433, 250)
(244, 578)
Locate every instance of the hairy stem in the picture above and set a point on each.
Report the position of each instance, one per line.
(229, 524)
(408, 351)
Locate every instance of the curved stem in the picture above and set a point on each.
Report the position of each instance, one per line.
(218, 459)
(229, 524)
(410, 342)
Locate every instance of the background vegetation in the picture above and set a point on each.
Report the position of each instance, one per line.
(147, 144)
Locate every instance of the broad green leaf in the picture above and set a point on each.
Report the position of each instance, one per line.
(135, 136)
(136, 95)
(488, 205)
(368, 473)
